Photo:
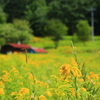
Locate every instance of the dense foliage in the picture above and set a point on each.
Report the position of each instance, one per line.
(3, 16)
(37, 12)
(56, 29)
(19, 30)
(83, 30)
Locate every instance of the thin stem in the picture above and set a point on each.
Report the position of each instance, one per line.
(76, 88)
(26, 56)
(75, 54)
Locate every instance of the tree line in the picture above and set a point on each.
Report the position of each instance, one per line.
(41, 15)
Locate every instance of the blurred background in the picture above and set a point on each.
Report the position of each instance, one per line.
(20, 20)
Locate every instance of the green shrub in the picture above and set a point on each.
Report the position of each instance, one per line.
(23, 30)
(83, 30)
(56, 29)
(19, 30)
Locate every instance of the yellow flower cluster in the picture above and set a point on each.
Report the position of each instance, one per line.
(24, 91)
(21, 94)
(14, 70)
(5, 76)
(94, 76)
(73, 92)
(80, 80)
(30, 76)
(73, 62)
(1, 91)
(42, 97)
(83, 89)
(67, 70)
(50, 86)
(2, 84)
(49, 93)
(13, 93)
(76, 72)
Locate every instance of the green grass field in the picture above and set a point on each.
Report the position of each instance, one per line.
(65, 73)
(86, 52)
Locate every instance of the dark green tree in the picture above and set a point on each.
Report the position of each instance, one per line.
(15, 9)
(56, 29)
(70, 11)
(36, 13)
(3, 16)
(97, 19)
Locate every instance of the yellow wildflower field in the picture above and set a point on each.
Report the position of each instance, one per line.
(60, 74)
(48, 77)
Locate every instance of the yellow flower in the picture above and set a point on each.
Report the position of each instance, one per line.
(83, 89)
(30, 76)
(74, 62)
(91, 73)
(6, 73)
(99, 84)
(42, 97)
(81, 80)
(79, 94)
(5, 76)
(94, 76)
(17, 98)
(65, 71)
(21, 83)
(48, 93)
(87, 77)
(24, 91)
(73, 92)
(13, 93)
(1, 84)
(35, 98)
(1, 91)
(63, 94)
(76, 72)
